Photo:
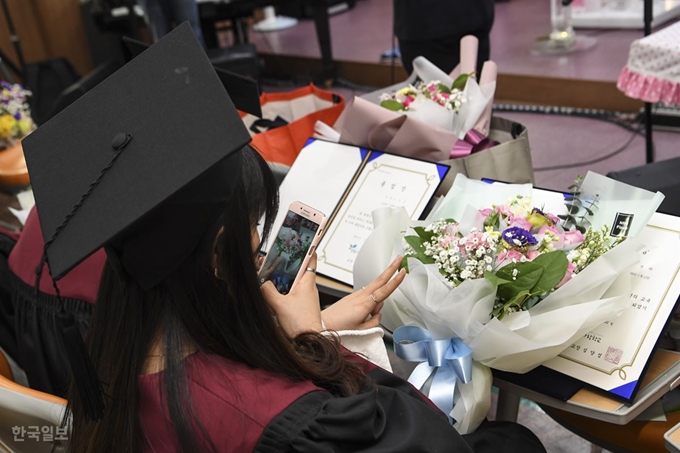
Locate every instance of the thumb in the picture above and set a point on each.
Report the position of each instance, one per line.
(269, 291)
(373, 322)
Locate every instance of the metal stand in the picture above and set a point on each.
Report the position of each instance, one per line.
(18, 70)
(649, 141)
(508, 406)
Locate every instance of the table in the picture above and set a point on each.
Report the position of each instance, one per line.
(652, 73)
(662, 376)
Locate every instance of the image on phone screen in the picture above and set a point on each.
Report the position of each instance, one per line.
(288, 252)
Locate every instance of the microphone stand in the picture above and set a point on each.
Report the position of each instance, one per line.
(18, 70)
(649, 142)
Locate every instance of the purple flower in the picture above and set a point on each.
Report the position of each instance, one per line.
(17, 116)
(518, 237)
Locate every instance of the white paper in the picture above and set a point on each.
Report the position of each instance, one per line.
(615, 353)
(386, 181)
(318, 178)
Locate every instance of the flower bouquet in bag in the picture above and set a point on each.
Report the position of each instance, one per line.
(435, 116)
(516, 274)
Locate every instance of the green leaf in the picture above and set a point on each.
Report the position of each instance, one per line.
(572, 209)
(443, 88)
(390, 104)
(423, 234)
(404, 264)
(492, 220)
(554, 268)
(495, 280)
(460, 82)
(590, 212)
(518, 300)
(528, 274)
(416, 243)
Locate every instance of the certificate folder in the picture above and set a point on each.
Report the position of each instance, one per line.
(613, 357)
(347, 183)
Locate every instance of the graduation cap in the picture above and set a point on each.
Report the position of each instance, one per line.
(244, 92)
(143, 165)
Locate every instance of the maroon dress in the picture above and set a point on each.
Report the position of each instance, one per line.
(249, 410)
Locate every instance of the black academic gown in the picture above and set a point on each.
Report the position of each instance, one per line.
(246, 410)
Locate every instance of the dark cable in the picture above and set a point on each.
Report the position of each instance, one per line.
(621, 119)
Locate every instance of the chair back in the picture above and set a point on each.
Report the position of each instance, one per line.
(29, 420)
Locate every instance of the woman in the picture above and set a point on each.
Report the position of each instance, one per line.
(190, 353)
(205, 367)
(433, 29)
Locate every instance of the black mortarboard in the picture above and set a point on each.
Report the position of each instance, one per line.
(244, 92)
(168, 118)
(143, 165)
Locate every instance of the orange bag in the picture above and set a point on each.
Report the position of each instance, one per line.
(288, 121)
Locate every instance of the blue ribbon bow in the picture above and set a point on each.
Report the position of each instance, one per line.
(450, 359)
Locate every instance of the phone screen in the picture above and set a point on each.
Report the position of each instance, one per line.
(288, 252)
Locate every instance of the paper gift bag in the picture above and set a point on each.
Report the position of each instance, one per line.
(509, 161)
(288, 121)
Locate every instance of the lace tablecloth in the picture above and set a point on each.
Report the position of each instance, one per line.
(653, 70)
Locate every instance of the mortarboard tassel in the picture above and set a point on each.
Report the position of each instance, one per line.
(83, 371)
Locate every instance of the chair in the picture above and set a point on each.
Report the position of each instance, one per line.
(21, 407)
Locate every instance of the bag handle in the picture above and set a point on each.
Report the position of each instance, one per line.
(263, 124)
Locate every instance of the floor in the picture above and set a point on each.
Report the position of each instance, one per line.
(365, 32)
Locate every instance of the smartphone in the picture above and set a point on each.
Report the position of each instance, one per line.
(293, 246)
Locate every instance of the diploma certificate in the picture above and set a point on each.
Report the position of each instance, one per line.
(347, 183)
(614, 355)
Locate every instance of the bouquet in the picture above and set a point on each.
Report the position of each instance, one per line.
(15, 115)
(524, 251)
(515, 273)
(437, 119)
(292, 244)
(405, 99)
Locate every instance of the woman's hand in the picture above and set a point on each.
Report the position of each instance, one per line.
(299, 310)
(351, 312)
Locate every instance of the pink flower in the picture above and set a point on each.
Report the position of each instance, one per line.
(532, 254)
(568, 275)
(432, 87)
(504, 210)
(445, 95)
(572, 239)
(451, 229)
(508, 257)
(520, 222)
(486, 212)
(409, 99)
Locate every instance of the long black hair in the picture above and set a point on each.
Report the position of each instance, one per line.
(196, 309)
